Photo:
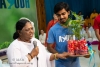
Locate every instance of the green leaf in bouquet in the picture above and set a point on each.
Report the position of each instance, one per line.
(67, 23)
(75, 25)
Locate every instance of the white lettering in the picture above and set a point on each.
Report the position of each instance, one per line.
(60, 39)
(66, 38)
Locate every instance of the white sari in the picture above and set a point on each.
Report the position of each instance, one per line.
(18, 50)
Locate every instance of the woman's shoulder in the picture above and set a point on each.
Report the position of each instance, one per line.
(14, 43)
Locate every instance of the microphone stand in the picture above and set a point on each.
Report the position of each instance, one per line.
(35, 44)
(37, 61)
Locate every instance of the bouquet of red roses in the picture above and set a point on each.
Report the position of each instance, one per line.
(77, 47)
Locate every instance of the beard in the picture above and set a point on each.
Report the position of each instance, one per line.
(62, 21)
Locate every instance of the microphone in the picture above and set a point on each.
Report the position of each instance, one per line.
(35, 44)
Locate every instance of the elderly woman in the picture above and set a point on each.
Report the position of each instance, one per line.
(23, 51)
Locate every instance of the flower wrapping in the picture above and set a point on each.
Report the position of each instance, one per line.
(77, 47)
(83, 47)
(71, 47)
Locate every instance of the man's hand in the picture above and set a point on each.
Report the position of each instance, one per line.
(87, 56)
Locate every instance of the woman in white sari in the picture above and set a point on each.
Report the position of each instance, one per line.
(22, 52)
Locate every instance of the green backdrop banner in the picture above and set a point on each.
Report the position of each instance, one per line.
(10, 12)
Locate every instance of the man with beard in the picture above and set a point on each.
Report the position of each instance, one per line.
(59, 34)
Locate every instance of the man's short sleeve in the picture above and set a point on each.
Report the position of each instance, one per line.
(50, 38)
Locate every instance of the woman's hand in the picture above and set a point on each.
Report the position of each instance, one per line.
(56, 56)
(64, 55)
(35, 51)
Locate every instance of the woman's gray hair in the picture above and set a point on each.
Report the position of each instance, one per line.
(31, 23)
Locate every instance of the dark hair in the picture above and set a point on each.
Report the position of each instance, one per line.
(60, 6)
(19, 26)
